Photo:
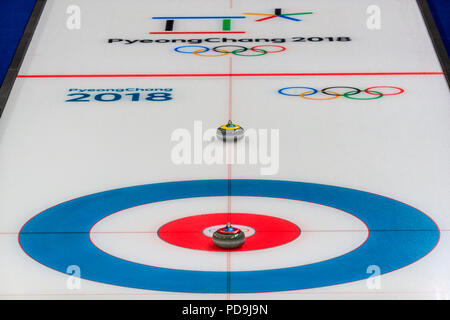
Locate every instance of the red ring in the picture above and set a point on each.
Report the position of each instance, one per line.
(386, 94)
(269, 45)
(269, 231)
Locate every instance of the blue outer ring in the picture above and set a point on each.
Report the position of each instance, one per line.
(59, 237)
(281, 91)
(177, 49)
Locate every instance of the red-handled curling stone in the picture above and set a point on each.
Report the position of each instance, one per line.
(228, 237)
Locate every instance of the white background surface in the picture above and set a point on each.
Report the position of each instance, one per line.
(396, 146)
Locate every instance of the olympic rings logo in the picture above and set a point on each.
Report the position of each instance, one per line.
(227, 49)
(353, 93)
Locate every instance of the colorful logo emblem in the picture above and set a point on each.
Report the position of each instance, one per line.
(277, 14)
(169, 24)
(330, 93)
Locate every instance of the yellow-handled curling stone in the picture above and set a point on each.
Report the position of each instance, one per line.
(230, 132)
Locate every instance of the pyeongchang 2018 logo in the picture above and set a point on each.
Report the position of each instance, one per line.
(226, 21)
(221, 31)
